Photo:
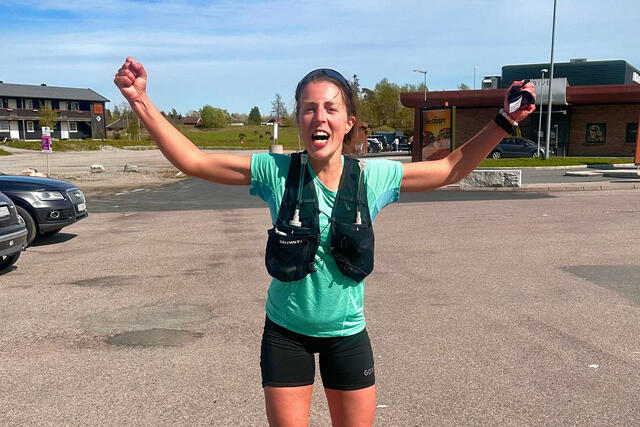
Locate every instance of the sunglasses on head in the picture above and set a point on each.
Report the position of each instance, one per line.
(328, 72)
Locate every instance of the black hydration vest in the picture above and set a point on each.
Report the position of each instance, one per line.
(294, 239)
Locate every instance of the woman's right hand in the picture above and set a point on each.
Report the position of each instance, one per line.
(131, 79)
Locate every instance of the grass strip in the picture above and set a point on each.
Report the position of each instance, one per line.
(554, 161)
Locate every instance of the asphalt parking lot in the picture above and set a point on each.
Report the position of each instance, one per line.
(483, 309)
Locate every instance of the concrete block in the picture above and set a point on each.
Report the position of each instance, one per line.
(276, 148)
(493, 178)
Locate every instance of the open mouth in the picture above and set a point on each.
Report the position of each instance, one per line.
(320, 137)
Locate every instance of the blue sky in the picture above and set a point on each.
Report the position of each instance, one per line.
(237, 54)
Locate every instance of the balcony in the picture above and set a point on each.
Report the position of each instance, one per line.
(34, 114)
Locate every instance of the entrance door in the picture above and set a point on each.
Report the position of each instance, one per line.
(64, 130)
(14, 133)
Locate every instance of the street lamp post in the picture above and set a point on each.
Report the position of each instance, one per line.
(425, 82)
(475, 67)
(553, 36)
(544, 70)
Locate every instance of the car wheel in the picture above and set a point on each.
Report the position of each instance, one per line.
(496, 155)
(535, 154)
(51, 232)
(28, 221)
(8, 260)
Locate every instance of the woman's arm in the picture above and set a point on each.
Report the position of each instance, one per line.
(131, 79)
(429, 175)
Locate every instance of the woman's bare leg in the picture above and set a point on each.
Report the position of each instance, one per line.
(288, 406)
(352, 408)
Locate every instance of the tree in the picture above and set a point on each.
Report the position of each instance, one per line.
(254, 116)
(116, 113)
(278, 108)
(238, 118)
(463, 86)
(48, 117)
(213, 117)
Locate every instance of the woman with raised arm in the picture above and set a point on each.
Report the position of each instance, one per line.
(321, 245)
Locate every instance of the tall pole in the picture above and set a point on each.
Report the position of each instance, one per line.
(425, 86)
(475, 67)
(548, 133)
(425, 82)
(544, 70)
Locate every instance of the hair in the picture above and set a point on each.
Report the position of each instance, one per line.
(332, 76)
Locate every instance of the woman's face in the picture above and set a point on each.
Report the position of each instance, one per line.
(323, 119)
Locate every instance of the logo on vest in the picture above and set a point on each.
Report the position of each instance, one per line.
(290, 242)
(368, 372)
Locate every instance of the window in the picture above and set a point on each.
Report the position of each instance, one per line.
(47, 103)
(4, 125)
(73, 127)
(75, 106)
(596, 133)
(30, 126)
(632, 132)
(28, 103)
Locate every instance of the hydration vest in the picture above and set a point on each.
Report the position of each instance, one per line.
(294, 239)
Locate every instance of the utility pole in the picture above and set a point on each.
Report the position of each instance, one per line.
(425, 82)
(553, 36)
(544, 70)
(475, 67)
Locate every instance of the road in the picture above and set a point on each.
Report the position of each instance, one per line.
(484, 308)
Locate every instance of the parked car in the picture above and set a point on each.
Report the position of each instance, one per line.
(517, 147)
(13, 233)
(45, 205)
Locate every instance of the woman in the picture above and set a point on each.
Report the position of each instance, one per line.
(322, 311)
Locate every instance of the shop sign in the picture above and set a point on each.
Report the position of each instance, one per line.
(436, 125)
(558, 91)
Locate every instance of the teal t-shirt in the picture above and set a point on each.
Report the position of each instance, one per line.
(325, 303)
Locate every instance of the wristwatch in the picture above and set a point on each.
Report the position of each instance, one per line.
(504, 121)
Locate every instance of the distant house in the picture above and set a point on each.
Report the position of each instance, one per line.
(118, 125)
(273, 120)
(81, 112)
(191, 121)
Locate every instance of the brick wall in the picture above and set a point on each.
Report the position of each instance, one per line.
(615, 116)
(469, 121)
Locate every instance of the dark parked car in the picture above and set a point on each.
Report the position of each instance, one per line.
(13, 233)
(45, 205)
(516, 147)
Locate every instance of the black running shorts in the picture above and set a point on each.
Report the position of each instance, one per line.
(287, 359)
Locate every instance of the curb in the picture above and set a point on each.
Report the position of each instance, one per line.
(550, 188)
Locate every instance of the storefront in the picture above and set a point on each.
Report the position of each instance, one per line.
(593, 120)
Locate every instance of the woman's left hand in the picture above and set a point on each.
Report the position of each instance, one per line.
(525, 109)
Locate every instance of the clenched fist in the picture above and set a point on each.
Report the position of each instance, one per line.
(131, 79)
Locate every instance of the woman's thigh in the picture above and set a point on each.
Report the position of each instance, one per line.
(352, 408)
(288, 406)
(348, 375)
